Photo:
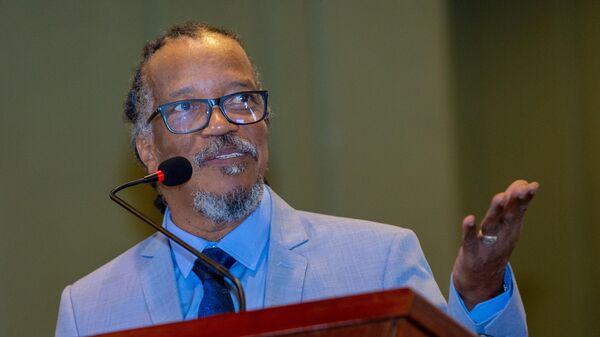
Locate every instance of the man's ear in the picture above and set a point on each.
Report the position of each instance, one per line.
(145, 149)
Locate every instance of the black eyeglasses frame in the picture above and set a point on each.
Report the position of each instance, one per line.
(212, 102)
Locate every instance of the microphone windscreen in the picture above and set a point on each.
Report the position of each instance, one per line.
(177, 170)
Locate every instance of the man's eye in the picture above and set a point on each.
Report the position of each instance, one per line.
(182, 107)
(242, 98)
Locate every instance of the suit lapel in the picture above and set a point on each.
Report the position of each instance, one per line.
(286, 269)
(158, 282)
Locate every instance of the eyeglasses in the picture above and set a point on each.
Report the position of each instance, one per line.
(191, 115)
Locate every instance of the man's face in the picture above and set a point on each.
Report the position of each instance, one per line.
(210, 67)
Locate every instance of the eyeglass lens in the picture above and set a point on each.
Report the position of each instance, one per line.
(190, 115)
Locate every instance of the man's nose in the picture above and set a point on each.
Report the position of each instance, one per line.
(218, 124)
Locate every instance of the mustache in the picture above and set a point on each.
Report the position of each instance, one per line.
(218, 143)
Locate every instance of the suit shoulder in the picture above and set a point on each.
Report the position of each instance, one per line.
(326, 225)
(123, 265)
(112, 296)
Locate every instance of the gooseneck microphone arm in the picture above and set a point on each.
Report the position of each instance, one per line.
(214, 265)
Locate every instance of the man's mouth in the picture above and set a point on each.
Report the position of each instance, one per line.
(224, 150)
(229, 155)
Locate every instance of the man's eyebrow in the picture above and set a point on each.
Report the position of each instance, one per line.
(246, 84)
(182, 91)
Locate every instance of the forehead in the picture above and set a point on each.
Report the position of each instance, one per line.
(206, 66)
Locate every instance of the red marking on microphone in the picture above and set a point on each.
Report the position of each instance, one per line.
(161, 176)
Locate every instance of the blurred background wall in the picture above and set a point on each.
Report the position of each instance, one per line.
(412, 113)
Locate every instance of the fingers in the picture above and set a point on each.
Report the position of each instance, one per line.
(519, 194)
(522, 190)
(469, 231)
(505, 214)
(468, 227)
(508, 208)
(494, 214)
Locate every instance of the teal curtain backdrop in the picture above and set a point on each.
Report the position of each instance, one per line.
(412, 113)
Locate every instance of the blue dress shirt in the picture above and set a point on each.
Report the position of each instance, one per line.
(249, 244)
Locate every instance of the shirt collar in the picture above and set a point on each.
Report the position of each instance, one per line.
(245, 243)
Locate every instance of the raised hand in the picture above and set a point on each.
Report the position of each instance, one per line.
(478, 271)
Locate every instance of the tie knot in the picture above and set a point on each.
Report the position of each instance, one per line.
(204, 271)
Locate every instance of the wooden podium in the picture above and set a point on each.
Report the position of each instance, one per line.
(400, 313)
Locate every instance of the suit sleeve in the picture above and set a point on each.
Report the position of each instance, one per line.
(66, 326)
(406, 266)
(509, 321)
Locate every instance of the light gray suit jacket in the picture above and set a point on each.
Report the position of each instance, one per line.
(311, 256)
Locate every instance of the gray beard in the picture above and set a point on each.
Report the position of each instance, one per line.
(230, 207)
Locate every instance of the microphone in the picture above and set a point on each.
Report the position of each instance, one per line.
(173, 172)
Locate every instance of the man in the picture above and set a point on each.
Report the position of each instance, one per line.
(197, 95)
